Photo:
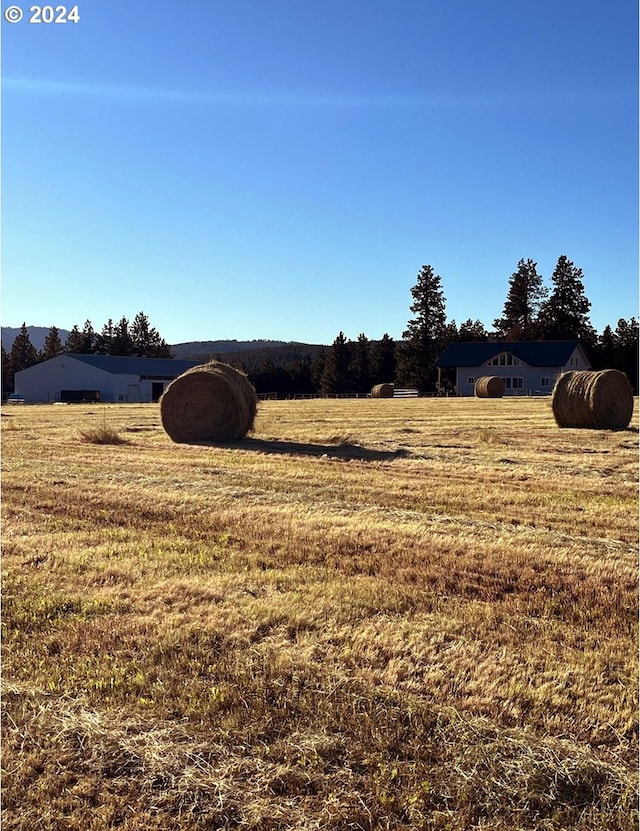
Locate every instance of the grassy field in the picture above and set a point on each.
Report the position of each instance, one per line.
(371, 614)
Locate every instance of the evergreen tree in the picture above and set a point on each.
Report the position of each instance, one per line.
(122, 343)
(626, 344)
(565, 314)
(317, 370)
(336, 376)
(605, 355)
(472, 330)
(450, 333)
(89, 338)
(302, 376)
(383, 361)
(7, 375)
(618, 349)
(74, 341)
(521, 308)
(360, 369)
(23, 352)
(81, 342)
(52, 345)
(145, 340)
(104, 341)
(425, 335)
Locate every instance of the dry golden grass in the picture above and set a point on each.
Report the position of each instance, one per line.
(374, 614)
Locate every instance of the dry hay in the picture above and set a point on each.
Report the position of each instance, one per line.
(382, 391)
(212, 402)
(599, 400)
(489, 386)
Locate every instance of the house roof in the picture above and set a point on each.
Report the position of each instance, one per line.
(552, 353)
(119, 365)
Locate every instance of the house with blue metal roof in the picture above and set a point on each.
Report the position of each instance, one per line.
(73, 377)
(527, 367)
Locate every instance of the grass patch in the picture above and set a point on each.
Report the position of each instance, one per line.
(104, 434)
(256, 636)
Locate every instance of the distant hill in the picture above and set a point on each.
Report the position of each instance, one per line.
(37, 335)
(193, 350)
(249, 353)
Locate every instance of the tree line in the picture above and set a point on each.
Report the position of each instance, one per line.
(532, 311)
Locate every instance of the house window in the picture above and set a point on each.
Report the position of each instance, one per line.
(513, 383)
(505, 359)
(545, 382)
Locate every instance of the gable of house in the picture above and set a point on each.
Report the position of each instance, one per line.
(526, 366)
(532, 353)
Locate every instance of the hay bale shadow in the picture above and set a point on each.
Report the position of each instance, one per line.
(346, 450)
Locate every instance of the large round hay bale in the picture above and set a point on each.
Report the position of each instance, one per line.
(489, 386)
(212, 402)
(382, 391)
(600, 400)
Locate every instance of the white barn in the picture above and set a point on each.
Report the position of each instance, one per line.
(528, 367)
(107, 378)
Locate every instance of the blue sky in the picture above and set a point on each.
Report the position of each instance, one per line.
(283, 168)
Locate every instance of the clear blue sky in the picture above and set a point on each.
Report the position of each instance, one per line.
(283, 168)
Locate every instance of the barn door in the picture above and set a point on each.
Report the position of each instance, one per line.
(134, 395)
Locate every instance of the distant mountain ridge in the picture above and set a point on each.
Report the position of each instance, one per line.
(37, 335)
(199, 348)
(248, 353)
(191, 350)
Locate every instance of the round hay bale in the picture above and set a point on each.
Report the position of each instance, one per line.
(489, 386)
(382, 391)
(601, 400)
(212, 402)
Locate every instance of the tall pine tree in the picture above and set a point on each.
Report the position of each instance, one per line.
(360, 365)
(383, 361)
(521, 308)
(626, 341)
(52, 344)
(122, 343)
(74, 341)
(145, 340)
(7, 374)
(565, 314)
(425, 335)
(81, 342)
(472, 330)
(104, 341)
(336, 375)
(23, 353)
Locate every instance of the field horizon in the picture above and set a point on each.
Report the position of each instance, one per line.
(368, 614)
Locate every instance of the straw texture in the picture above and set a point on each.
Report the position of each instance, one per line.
(489, 386)
(382, 391)
(597, 400)
(212, 402)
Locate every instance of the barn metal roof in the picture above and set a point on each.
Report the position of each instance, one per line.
(551, 353)
(119, 365)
